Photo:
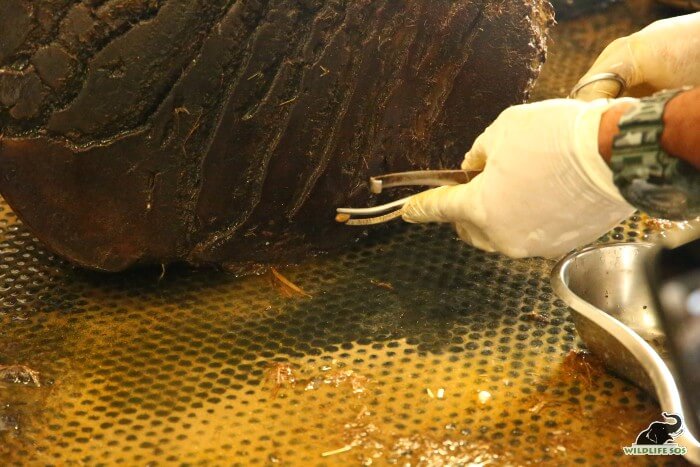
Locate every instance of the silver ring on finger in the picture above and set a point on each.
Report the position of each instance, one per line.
(609, 76)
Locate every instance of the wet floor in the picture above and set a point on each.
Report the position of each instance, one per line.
(408, 348)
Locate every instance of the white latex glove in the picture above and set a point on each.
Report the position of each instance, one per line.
(544, 189)
(664, 55)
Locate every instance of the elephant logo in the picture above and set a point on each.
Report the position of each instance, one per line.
(658, 439)
(659, 433)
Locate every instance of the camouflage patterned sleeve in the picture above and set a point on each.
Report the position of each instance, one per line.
(646, 175)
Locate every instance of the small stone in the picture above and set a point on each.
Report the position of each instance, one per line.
(484, 396)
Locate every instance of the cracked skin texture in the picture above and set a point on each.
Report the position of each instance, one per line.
(227, 132)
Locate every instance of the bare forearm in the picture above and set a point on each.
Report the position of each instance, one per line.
(681, 135)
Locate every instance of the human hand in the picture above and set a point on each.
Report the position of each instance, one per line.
(544, 189)
(664, 55)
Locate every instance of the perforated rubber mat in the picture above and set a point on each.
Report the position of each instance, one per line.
(409, 348)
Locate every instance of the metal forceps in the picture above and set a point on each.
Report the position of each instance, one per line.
(432, 178)
(393, 210)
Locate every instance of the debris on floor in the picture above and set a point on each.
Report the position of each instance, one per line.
(9, 422)
(381, 284)
(19, 374)
(580, 366)
(336, 451)
(484, 396)
(280, 375)
(337, 378)
(536, 317)
(286, 287)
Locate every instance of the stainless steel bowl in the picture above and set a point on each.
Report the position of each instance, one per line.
(606, 288)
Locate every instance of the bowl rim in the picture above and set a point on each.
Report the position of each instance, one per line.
(667, 392)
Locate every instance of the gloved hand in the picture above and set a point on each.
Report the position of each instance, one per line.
(664, 55)
(544, 189)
